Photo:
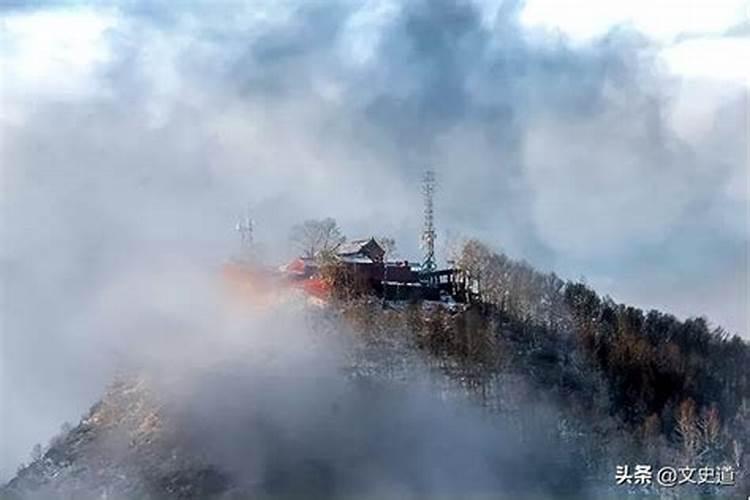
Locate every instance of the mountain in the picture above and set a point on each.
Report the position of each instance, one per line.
(540, 390)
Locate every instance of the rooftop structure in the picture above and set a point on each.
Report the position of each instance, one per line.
(361, 251)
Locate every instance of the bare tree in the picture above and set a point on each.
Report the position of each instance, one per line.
(712, 435)
(37, 452)
(388, 245)
(687, 428)
(473, 257)
(317, 237)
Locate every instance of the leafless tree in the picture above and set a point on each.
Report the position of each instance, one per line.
(37, 452)
(687, 428)
(317, 237)
(388, 245)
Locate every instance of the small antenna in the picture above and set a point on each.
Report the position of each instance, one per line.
(428, 232)
(246, 227)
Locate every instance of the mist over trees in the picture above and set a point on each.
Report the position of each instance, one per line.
(158, 123)
(564, 380)
(638, 386)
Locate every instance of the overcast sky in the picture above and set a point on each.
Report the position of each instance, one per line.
(597, 139)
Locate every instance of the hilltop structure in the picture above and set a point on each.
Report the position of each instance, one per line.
(363, 263)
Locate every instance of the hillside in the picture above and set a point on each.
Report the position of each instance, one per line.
(539, 391)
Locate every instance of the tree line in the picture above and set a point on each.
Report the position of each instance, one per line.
(639, 385)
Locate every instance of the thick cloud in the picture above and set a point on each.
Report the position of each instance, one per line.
(135, 134)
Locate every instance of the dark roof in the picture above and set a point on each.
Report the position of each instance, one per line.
(356, 246)
(361, 251)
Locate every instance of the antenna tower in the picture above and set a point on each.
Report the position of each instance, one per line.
(428, 233)
(246, 226)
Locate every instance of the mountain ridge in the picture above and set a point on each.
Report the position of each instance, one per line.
(591, 383)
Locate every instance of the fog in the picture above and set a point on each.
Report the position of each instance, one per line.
(279, 412)
(134, 135)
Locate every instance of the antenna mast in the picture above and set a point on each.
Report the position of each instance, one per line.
(428, 233)
(246, 226)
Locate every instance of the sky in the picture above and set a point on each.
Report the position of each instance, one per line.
(604, 140)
